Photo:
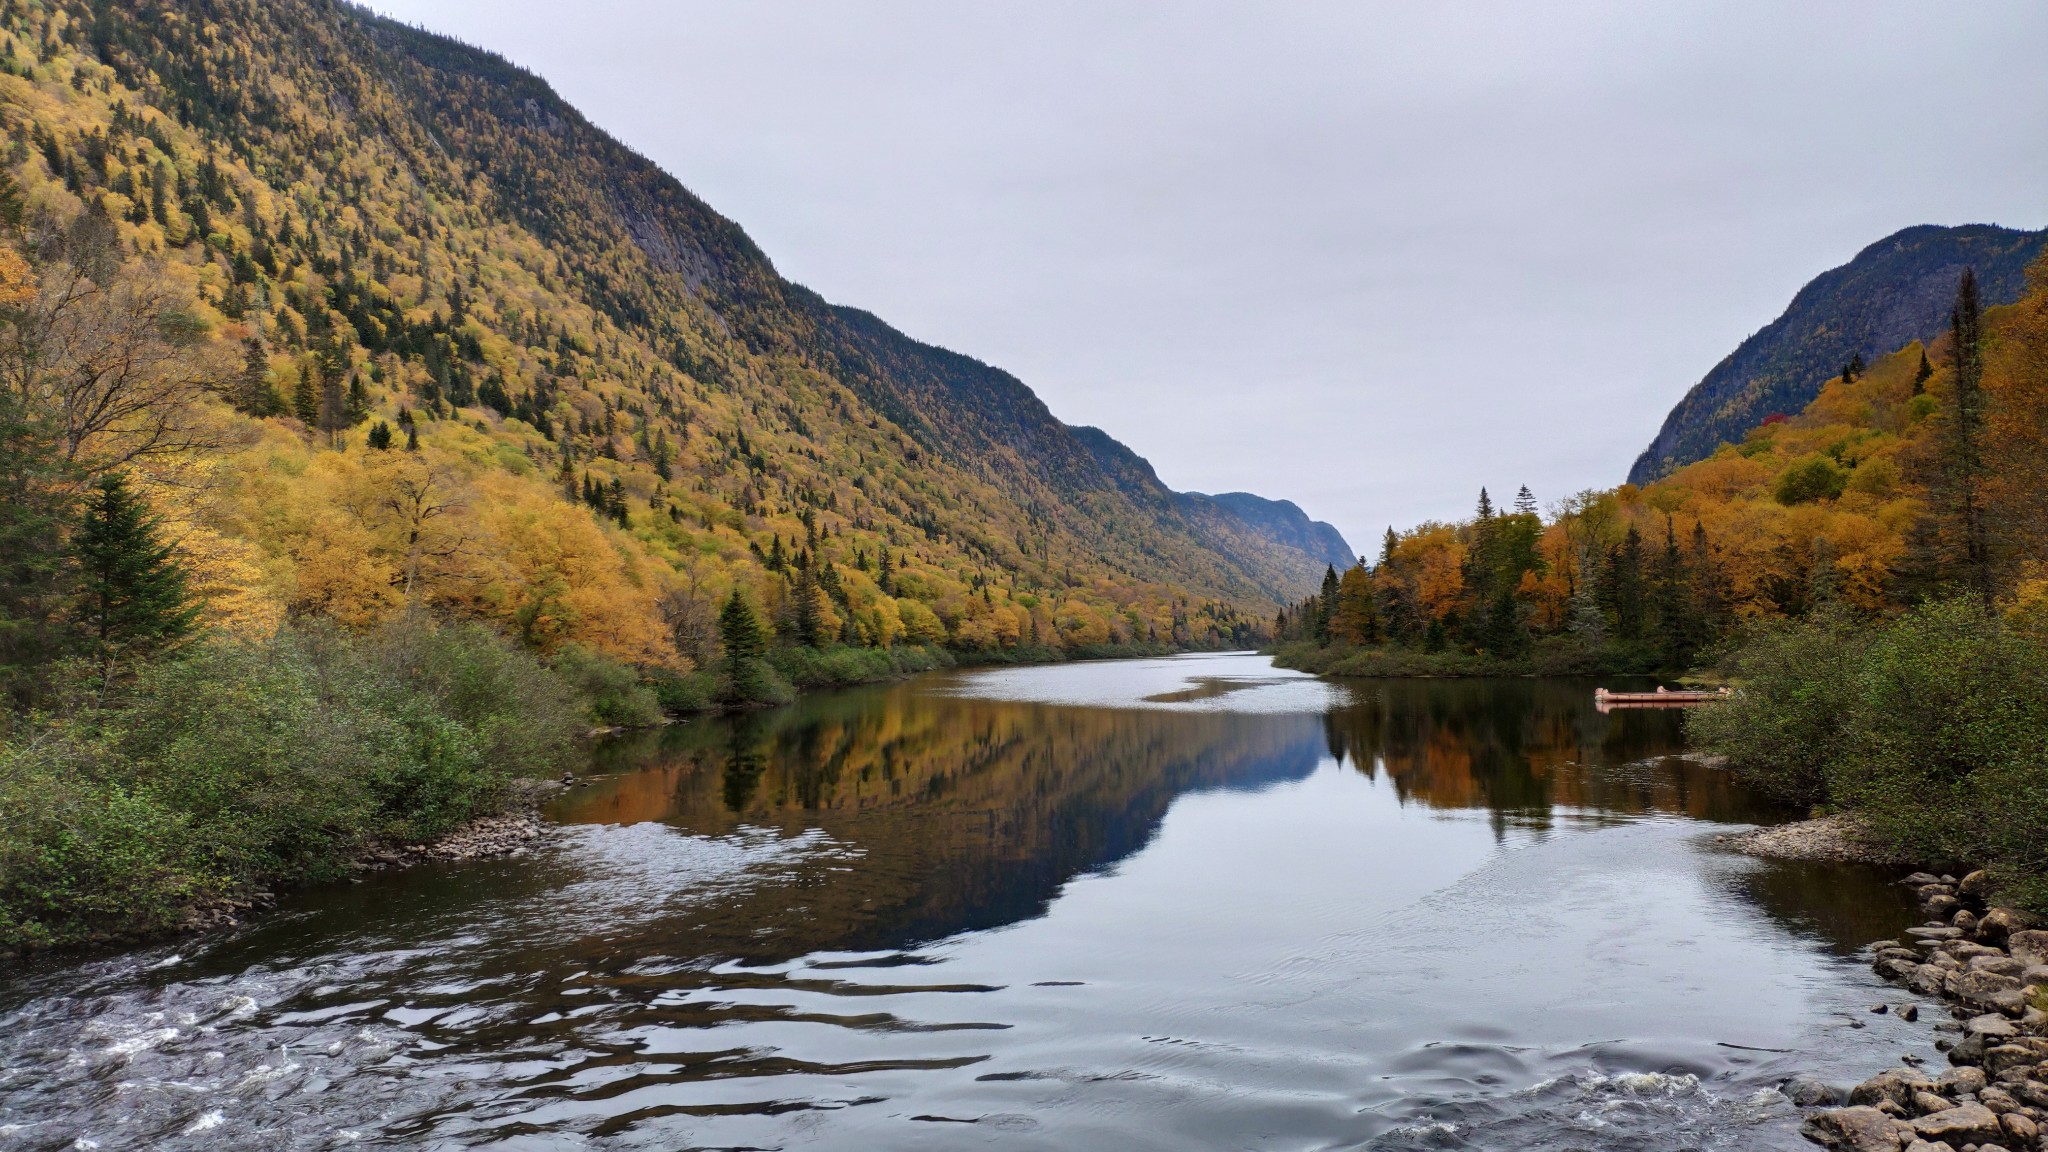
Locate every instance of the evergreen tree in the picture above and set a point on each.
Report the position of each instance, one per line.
(1387, 546)
(412, 438)
(133, 598)
(1326, 603)
(306, 394)
(379, 436)
(1623, 586)
(1963, 471)
(257, 396)
(1924, 374)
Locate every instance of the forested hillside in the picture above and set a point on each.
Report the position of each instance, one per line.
(1895, 291)
(440, 343)
(1919, 476)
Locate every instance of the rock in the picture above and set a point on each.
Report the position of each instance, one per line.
(1919, 879)
(1997, 925)
(1938, 932)
(1928, 1103)
(1806, 1092)
(1960, 1082)
(1975, 884)
(2029, 946)
(2033, 1092)
(1919, 1145)
(2002, 1058)
(1931, 979)
(1964, 919)
(1997, 1099)
(1896, 1085)
(1984, 989)
(2023, 1130)
(1942, 906)
(1896, 967)
(1968, 950)
(1909, 1013)
(2000, 963)
(1960, 1125)
(1992, 1026)
(1968, 1051)
(1856, 1129)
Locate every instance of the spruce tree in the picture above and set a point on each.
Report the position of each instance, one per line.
(306, 393)
(133, 599)
(1963, 467)
(379, 436)
(1925, 373)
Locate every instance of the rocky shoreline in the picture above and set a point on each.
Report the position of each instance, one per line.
(1989, 965)
(1838, 838)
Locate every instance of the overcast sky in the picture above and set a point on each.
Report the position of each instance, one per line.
(1364, 256)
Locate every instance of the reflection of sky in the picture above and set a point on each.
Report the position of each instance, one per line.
(1196, 682)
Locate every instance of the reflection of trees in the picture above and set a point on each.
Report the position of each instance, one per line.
(1522, 749)
(964, 813)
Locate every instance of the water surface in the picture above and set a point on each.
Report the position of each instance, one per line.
(1165, 904)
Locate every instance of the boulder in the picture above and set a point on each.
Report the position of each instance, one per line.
(1960, 1125)
(1982, 989)
(2032, 1092)
(1896, 967)
(1938, 932)
(1857, 1129)
(1975, 884)
(1942, 906)
(1970, 1050)
(1997, 925)
(1999, 963)
(1928, 1103)
(1909, 1012)
(1964, 919)
(1992, 1026)
(1896, 1085)
(2024, 1131)
(1960, 1081)
(2029, 946)
(1920, 879)
(1968, 950)
(1807, 1092)
(1997, 1099)
(2001, 1058)
(1931, 979)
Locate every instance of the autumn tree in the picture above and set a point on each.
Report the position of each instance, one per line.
(1357, 619)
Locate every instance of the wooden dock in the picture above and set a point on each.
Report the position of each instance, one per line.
(1661, 698)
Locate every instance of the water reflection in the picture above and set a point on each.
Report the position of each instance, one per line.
(1167, 904)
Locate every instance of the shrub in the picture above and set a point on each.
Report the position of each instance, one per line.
(680, 693)
(612, 692)
(752, 680)
(1786, 725)
(242, 765)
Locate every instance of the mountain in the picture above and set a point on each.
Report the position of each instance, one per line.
(1283, 522)
(393, 228)
(1237, 524)
(1894, 292)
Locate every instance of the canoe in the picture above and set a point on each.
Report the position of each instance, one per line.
(1661, 698)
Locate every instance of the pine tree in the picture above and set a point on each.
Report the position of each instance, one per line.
(412, 438)
(133, 598)
(1326, 603)
(1624, 586)
(379, 436)
(1924, 374)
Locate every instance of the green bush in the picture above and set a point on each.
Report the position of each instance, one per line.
(611, 691)
(244, 765)
(1932, 728)
(838, 667)
(752, 680)
(681, 693)
(1788, 723)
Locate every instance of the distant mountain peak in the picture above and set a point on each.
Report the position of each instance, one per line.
(1892, 293)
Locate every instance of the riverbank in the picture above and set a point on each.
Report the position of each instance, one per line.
(1557, 656)
(1840, 837)
(1989, 965)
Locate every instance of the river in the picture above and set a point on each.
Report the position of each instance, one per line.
(1186, 903)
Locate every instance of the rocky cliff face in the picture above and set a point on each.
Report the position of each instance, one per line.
(1894, 292)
